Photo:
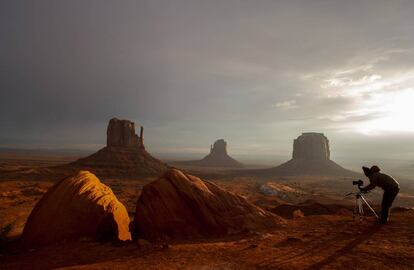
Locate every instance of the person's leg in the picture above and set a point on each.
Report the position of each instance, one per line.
(393, 195)
(387, 200)
(384, 207)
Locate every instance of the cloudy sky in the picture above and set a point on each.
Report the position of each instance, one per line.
(257, 73)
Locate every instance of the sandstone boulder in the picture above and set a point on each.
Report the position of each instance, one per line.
(181, 206)
(76, 207)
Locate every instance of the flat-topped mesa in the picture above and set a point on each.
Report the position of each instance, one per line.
(121, 133)
(311, 156)
(311, 145)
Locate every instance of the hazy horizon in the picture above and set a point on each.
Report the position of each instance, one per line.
(257, 74)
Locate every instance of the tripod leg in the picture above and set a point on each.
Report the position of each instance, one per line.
(361, 210)
(369, 206)
(354, 214)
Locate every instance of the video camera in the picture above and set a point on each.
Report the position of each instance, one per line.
(358, 182)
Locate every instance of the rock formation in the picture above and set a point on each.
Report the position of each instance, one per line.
(217, 157)
(311, 208)
(124, 155)
(311, 146)
(77, 206)
(219, 148)
(121, 133)
(311, 156)
(180, 206)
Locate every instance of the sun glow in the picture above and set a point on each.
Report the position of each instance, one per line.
(396, 110)
(381, 102)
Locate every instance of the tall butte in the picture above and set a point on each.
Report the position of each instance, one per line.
(124, 154)
(311, 156)
(218, 157)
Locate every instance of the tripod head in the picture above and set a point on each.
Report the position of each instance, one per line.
(358, 183)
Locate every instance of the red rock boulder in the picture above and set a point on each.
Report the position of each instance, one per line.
(181, 206)
(77, 206)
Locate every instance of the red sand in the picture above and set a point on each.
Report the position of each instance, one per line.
(315, 242)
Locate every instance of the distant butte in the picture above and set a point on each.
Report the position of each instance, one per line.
(311, 156)
(124, 154)
(218, 157)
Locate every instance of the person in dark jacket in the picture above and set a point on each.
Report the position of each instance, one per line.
(390, 186)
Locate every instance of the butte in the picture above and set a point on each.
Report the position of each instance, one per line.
(218, 157)
(311, 156)
(123, 156)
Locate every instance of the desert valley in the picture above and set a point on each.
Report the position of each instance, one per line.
(204, 135)
(138, 212)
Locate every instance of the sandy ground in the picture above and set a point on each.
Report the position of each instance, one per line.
(310, 242)
(314, 242)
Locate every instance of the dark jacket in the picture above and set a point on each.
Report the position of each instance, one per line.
(381, 180)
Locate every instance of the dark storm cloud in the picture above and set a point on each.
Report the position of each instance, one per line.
(255, 72)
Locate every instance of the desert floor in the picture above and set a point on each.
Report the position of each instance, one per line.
(316, 241)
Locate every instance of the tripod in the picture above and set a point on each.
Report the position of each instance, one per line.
(359, 205)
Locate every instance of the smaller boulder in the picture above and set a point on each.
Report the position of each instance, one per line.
(77, 207)
(298, 214)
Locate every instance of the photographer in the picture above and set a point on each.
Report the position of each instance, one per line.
(387, 183)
